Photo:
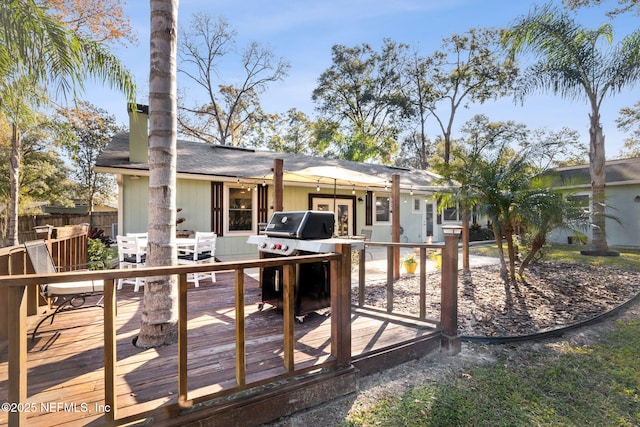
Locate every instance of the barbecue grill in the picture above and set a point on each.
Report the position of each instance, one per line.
(292, 234)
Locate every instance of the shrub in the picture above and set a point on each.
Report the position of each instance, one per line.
(98, 254)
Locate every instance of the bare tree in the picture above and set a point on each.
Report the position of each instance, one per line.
(230, 109)
(469, 68)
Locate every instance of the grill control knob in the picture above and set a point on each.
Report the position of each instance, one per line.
(263, 245)
(285, 248)
(272, 246)
(278, 246)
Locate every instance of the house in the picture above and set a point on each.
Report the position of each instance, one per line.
(230, 190)
(622, 199)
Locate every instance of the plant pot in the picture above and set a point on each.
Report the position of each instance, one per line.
(437, 258)
(410, 268)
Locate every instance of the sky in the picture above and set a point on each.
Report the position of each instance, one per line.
(303, 32)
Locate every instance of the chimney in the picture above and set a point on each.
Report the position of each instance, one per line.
(138, 133)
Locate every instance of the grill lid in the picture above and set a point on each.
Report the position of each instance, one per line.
(301, 225)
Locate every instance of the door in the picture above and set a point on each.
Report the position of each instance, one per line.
(343, 211)
(430, 222)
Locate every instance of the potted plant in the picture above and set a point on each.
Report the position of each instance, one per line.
(436, 257)
(410, 264)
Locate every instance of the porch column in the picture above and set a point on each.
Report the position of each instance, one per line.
(278, 186)
(395, 223)
(449, 298)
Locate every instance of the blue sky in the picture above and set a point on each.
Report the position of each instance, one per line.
(304, 31)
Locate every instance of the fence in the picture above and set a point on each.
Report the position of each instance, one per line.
(27, 223)
(69, 249)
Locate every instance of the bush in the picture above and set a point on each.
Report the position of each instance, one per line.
(98, 254)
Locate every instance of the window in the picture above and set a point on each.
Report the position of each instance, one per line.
(417, 205)
(582, 205)
(383, 208)
(450, 214)
(240, 214)
(581, 201)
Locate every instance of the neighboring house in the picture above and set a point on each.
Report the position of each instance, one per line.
(230, 191)
(622, 199)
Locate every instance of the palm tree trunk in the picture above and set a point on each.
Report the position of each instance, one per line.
(465, 235)
(508, 234)
(598, 179)
(14, 184)
(538, 242)
(498, 236)
(160, 304)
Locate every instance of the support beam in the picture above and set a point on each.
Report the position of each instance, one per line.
(451, 342)
(395, 222)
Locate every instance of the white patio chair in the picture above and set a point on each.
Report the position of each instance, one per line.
(131, 254)
(66, 295)
(203, 252)
(367, 232)
(144, 235)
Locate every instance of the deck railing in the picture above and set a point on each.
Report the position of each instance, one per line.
(70, 249)
(15, 288)
(16, 304)
(448, 320)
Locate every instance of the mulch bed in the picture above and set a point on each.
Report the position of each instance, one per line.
(552, 295)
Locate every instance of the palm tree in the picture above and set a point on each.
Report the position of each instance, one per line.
(160, 305)
(38, 52)
(542, 210)
(571, 64)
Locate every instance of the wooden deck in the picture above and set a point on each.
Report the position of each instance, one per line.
(65, 361)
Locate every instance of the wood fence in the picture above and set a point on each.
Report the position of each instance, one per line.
(69, 249)
(28, 223)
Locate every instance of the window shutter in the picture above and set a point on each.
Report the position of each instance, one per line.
(217, 208)
(263, 204)
(368, 216)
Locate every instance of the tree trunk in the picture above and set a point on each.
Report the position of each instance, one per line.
(14, 184)
(160, 305)
(498, 236)
(598, 179)
(538, 242)
(508, 234)
(465, 235)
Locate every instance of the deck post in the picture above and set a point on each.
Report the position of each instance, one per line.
(341, 306)
(110, 350)
(451, 342)
(17, 309)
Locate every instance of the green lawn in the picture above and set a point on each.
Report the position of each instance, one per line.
(596, 385)
(592, 385)
(629, 259)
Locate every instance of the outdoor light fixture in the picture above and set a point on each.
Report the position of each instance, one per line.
(318, 186)
(411, 192)
(264, 182)
(452, 230)
(353, 191)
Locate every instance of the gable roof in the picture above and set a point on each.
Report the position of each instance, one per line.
(197, 159)
(618, 172)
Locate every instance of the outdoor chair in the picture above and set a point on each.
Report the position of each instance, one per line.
(65, 296)
(203, 251)
(131, 254)
(366, 232)
(143, 235)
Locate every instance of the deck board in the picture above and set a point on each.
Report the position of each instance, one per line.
(65, 361)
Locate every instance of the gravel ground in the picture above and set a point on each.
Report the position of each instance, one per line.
(552, 295)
